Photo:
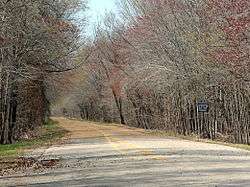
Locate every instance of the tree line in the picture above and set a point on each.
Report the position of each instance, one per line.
(150, 68)
(37, 39)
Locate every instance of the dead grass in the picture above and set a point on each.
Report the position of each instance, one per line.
(50, 133)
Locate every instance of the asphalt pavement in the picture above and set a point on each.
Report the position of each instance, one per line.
(104, 155)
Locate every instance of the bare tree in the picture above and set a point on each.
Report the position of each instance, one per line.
(37, 38)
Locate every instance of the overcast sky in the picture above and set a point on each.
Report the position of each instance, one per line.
(97, 9)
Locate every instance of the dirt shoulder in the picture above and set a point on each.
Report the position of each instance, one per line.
(11, 156)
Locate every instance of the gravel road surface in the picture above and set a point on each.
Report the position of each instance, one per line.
(113, 155)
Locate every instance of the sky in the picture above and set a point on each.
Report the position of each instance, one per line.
(97, 10)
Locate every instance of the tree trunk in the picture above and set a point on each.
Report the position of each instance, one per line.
(118, 102)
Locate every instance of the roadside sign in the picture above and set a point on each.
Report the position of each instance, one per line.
(203, 106)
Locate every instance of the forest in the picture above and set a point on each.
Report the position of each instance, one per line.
(149, 67)
(37, 40)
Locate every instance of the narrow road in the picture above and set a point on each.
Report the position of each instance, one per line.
(113, 155)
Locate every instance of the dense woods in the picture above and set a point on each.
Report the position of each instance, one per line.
(152, 67)
(37, 38)
(148, 68)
